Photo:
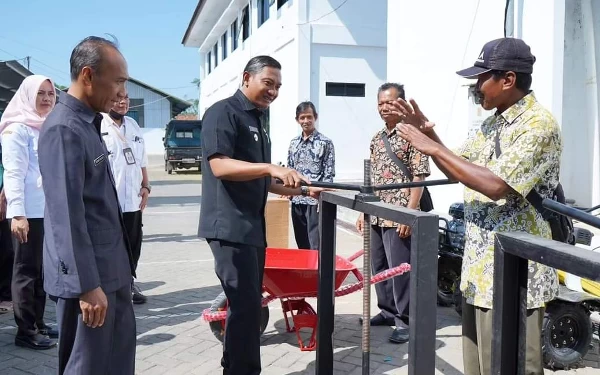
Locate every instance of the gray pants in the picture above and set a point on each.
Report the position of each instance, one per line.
(477, 340)
(106, 350)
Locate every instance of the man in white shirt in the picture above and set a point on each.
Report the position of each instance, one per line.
(128, 160)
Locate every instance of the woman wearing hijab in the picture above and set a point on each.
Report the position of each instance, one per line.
(19, 132)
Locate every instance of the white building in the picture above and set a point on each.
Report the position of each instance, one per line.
(333, 53)
(426, 48)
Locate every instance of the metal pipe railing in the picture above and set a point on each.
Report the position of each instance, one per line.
(579, 215)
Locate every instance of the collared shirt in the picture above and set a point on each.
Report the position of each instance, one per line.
(85, 244)
(127, 176)
(313, 157)
(22, 178)
(530, 145)
(385, 171)
(233, 210)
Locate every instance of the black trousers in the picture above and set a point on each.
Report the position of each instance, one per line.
(133, 225)
(29, 297)
(305, 220)
(388, 250)
(240, 269)
(106, 350)
(6, 261)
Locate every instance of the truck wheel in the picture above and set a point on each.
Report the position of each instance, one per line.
(218, 327)
(169, 168)
(566, 334)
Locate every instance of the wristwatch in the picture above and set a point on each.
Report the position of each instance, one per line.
(304, 191)
(147, 187)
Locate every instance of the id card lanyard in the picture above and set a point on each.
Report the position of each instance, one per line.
(127, 152)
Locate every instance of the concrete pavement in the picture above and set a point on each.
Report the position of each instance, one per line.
(176, 273)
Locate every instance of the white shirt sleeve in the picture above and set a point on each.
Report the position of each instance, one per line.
(15, 159)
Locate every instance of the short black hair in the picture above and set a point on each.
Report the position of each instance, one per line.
(305, 106)
(89, 53)
(523, 80)
(392, 85)
(258, 63)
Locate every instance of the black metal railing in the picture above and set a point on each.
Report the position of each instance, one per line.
(512, 253)
(423, 278)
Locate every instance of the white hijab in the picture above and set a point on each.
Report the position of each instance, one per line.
(22, 107)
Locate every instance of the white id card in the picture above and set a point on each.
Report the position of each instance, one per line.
(129, 156)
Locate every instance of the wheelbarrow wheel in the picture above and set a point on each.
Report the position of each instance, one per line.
(218, 327)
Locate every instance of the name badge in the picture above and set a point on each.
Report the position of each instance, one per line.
(99, 160)
(253, 129)
(128, 156)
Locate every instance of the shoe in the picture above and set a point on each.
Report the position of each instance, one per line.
(5, 307)
(48, 331)
(399, 336)
(136, 295)
(35, 342)
(379, 320)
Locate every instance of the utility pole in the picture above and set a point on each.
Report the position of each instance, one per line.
(28, 60)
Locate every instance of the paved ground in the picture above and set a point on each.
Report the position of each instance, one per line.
(176, 272)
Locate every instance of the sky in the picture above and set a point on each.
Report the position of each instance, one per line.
(149, 33)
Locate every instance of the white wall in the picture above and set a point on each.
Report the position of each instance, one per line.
(425, 49)
(350, 122)
(580, 170)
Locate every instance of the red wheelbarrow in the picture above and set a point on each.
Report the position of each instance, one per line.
(292, 275)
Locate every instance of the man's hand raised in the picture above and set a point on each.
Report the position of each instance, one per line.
(411, 114)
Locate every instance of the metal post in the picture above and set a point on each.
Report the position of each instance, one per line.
(325, 294)
(508, 349)
(423, 296)
(366, 326)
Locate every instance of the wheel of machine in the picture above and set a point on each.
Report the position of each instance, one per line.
(166, 165)
(169, 168)
(458, 297)
(566, 334)
(447, 276)
(218, 327)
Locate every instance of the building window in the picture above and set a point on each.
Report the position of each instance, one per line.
(216, 54)
(224, 46)
(136, 111)
(280, 3)
(234, 35)
(246, 23)
(344, 89)
(263, 11)
(209, 62)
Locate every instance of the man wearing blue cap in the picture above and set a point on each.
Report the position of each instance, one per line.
(512, 161)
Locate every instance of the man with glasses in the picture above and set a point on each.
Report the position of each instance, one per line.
(128, 160)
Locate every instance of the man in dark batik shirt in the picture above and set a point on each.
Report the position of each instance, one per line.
(311, 154)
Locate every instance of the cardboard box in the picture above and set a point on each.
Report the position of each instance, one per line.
(277, 216)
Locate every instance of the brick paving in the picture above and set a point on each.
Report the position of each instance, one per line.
(176, 273)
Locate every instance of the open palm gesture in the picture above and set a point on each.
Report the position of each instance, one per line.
(411, 114)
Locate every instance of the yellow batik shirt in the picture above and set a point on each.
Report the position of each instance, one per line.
(530, 146)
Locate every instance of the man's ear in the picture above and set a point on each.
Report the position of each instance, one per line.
(245, 79)
(86, 75)
(510, 80)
